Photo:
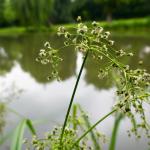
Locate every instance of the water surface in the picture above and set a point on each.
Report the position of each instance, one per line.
(42, 99)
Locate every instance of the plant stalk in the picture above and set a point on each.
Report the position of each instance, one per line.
(115, 131)
(72, 97)
(92, 127)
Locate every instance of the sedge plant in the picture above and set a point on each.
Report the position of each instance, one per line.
(132, 91)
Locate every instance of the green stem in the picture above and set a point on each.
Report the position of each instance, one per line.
(114, 133)
(72, 97)
(92, 127)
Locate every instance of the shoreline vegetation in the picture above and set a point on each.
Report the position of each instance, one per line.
(126, 26)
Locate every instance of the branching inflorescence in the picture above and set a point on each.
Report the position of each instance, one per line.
(133, 84)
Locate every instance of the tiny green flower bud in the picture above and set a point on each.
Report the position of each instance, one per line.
(67, 35)
(105, 48)
(107, 33)
(45, 61)
(61, 30)
(100, 29)
(82, 29)
(127, 109)
(140, 62)
(94, 23)
(47, 44)
(74, 40)
(66, 43)
(111, 42)
(79, 18)
(130, 54)
(38, 59)
(42, 53)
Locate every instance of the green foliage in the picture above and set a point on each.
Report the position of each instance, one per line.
(77, 123)
(26, 12)
(45, 12)
(132, 90)
(17, 141)
(31, 12)
(2, 3)
(9, 13)
(62, 11)
(18, 136)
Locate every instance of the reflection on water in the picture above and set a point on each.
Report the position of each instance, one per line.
(23, 50)
(49, 99)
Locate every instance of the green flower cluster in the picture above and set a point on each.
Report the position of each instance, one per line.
(49, 55)
(52, 141)
(134, 94)
(75, 126)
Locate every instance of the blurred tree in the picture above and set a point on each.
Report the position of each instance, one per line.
(80, 8)
(62, 11)
(32, 12)
(109, 6)
(45, 12)
(2, 3)
(9, 13)
(133, 8)
(88, 9)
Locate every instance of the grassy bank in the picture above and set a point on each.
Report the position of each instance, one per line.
(12, 31)
(16, 31)
(139, 24)
(122, 23)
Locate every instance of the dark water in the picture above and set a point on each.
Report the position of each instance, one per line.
(42, 99)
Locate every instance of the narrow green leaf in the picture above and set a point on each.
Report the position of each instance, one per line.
(114, 132)
(18, 136)
(19, 132)
(30, 126)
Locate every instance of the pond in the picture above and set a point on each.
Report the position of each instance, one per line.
(46, 101)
